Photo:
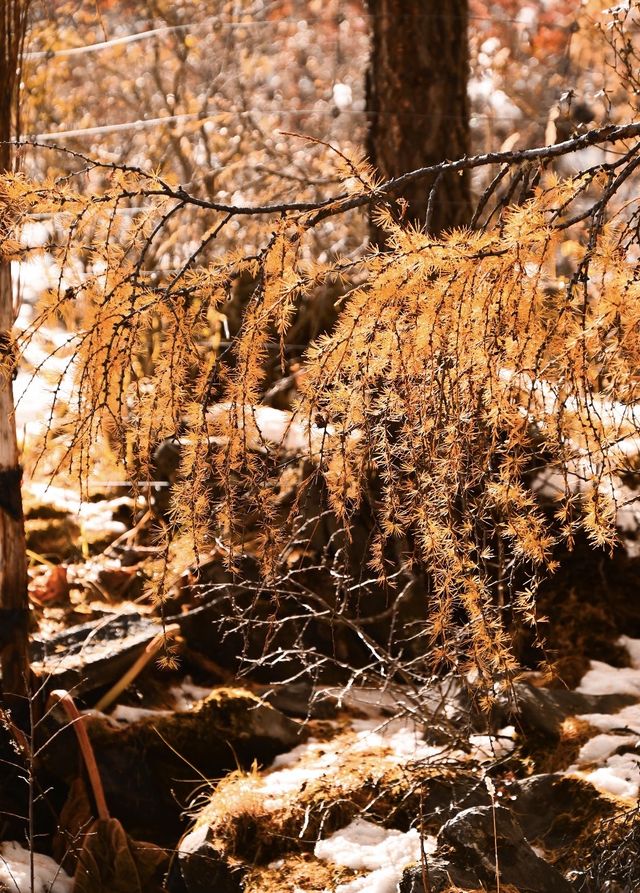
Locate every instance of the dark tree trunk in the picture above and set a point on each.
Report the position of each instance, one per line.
(14, 602)
(417, 103)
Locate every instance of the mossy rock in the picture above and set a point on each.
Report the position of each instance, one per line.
(244, 823)
(151, 768)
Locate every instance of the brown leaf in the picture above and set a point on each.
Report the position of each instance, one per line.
(51, 586)
(75, 819)
(111, 862)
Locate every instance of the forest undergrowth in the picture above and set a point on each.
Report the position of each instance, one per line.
(457, 369)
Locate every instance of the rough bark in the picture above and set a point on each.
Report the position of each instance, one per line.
(417, 103)
(13, 565)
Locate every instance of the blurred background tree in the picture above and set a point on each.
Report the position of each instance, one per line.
(417, 104)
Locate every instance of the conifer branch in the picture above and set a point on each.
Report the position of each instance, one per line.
(343, 202)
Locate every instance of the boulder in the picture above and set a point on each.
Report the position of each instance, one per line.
(151, 767)
(556, 809)
(543, 710)
(199, 867)
(466, 857)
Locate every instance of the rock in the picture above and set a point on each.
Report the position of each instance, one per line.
(465, 857)
(297, 699)
(150, 768)
(55, 537)
(544, 710)
(198, 867)
(471, 835)
(441, 875)
(86, 657)
(556, 809)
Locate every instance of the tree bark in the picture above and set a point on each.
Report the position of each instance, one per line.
(418, 106)
(14, 603)
(13, 565)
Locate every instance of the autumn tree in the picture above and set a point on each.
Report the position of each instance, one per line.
(418, 105)
(13, 566)
(457, 363)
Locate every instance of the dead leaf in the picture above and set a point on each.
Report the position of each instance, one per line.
(111, 862)
(51, 586)
(74, 820)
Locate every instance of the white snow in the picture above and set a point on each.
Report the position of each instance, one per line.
(614, 773)
(619, 776)
(305, 763)
(383, 853)
(93, 517)
(187, 695)
(633, 647)
(15, 871)
(625, 720)
(125, 714)
(602, 679)
(386, 744)
(493, 747)
(402, 740)
(601, 747)
(265, 426)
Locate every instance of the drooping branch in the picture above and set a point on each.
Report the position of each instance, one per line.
(345, 201)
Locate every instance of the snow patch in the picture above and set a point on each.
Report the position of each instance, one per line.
(187, 694)
(619, 776)
(493, 747)
(125, 714)
(265, 426)
(383, 853)
(392, 743)
(602, 679)
(601, 747)
(615, 773)
(633, 647)
(15, 871)
(625, 720)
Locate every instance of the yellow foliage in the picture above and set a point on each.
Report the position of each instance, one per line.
(454, 365)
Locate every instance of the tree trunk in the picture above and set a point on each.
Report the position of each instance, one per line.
(417, 104)
(13, 565)
(14, 605)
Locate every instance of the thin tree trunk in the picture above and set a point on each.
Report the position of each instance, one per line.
(417, 103)
(14, 605)
(13, 566)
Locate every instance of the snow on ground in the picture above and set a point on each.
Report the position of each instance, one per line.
(490, 747)
(15, 872)
(382, 853)
(44, 375)
(619, 776)
(389, 743)
(613, 772)
(187, 695)
(265, 425)
(93, 517)
(125, 714)
(602, 679)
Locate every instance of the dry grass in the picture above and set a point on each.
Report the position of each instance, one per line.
(298, 871)
(370, 782)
